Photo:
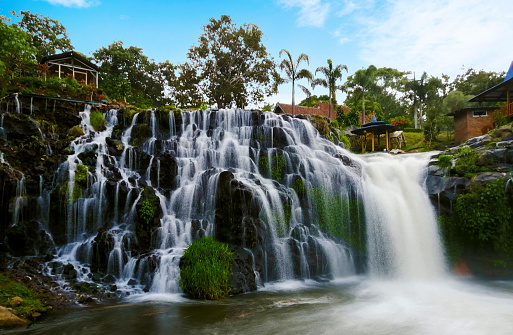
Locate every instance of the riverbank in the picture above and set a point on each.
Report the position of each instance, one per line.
(47, 294)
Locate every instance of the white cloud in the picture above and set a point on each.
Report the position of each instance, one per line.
(438, 36)
(311, 12)
(74, 3)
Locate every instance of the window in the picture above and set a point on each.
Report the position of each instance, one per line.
(479, 113)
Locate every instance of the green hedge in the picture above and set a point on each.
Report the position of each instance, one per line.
(206, 269)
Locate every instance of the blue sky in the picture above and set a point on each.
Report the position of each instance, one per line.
(436, 36)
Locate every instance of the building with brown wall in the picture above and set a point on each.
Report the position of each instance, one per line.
(477, 121)
(323, 109)
(472, 122)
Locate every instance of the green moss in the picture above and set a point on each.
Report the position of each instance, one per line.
(338, 216)
(147, 211)
(298, 186)
(206, 269)
(452, 242)
(140, 133)
(97, 120)
(31, 301)
(130, 111)
(81, 174)
(76, 193)
(278, 168)
(76, 131)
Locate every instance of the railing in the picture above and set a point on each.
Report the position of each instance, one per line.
(504, 111)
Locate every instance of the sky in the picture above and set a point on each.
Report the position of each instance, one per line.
(435, 36)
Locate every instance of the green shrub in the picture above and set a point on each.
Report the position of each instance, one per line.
(485, 214)
(445, 161)
(345, 139)
(97, 120)
(206, 269)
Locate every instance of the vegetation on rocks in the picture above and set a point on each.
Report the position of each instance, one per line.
(21, 299)
(206, 269)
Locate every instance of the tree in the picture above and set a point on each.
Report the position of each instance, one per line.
(186, 86)
(126, 73)
(359, 83)
(314, 100)
(293, 72)
(473, 82)
(233, 64)
(46, 35)
(16, 54)
(423, 93)
(331, 75)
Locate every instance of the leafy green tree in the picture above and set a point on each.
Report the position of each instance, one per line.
(331, 75)
(233, 64)
(294, 73)
(473, 82)
(126, 73)
(47, 35)
(423, 94)
(358, 84)
(16, 54)
(187, 86)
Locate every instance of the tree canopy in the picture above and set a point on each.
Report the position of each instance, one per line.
(47, 35)
(233, 64)
(126, 73)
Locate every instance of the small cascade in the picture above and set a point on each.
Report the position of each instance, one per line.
(402, 232)
(20, 201)
(3, 134)
(17, 102)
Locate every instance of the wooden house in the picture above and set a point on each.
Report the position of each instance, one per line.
(72, 64)
(476, 121)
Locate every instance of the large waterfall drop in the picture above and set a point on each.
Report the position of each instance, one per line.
(402, 232)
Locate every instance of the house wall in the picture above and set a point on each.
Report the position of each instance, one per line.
(467, 126)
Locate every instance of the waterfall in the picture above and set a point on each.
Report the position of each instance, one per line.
(295, 196)
(402, 232)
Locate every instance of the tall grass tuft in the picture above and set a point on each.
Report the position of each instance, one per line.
(206, 269)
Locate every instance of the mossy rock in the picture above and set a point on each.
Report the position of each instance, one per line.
(140, 133)
(148, 217)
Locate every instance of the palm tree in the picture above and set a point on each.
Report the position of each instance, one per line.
(330, 82)
(293, 72)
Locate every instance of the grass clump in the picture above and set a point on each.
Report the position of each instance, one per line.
(97, 120)
(31, 303)
(206, 269)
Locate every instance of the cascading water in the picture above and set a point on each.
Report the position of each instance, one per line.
(402, 233)
(296, 187)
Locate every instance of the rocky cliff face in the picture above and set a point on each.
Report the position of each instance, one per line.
(119, 201)
(460, 184)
